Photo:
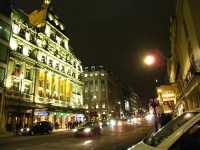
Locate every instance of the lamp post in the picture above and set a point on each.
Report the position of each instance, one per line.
(120, 109)
(150, 60)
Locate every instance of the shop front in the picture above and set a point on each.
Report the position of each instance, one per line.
(59, 120)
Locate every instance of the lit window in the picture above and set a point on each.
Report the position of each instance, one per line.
(25, 51)
(58, 39)
(103, 106)
(91, 75)
(27, 36)
(56, 21)
(86, 75)
(13, 44)
(16, 28)
(48, 30)
(44, 43)
(94, 97)
(39, 42)
(50, 17)
(61, 27)
(102, 74)
(66, 44)
(17, 70)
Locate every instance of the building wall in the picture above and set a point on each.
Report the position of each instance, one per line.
(184, 63)
(167, 98)
(96, 89)
(5, 29)
(102, 93)
(43, 73)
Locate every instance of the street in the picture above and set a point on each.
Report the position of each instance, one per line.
(117, 138)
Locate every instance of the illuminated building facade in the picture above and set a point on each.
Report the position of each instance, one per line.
(131, 102)
(184, 64)
(166, 98)
(43, 77)
(101, 93)
(5, 30)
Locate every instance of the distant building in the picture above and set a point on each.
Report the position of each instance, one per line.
(131, 102)
(42, 81)
(184, 64)
(102, 93)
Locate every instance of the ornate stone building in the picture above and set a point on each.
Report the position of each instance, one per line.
(43, 73)
(184, 64)
(102, 94)
(5, 30)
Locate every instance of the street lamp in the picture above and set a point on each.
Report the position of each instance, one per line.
(120, 111)
(149, 60)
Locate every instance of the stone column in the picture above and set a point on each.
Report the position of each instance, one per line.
(36, 85)
(45, 84)
(58, 88)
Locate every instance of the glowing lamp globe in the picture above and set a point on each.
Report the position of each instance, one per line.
(149, 60)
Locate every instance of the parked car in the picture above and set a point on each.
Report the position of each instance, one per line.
(88, 129)
(41, 127)
(181, 133)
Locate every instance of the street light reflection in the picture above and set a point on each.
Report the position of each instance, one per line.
(87, 142)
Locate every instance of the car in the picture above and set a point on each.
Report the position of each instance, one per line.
(41, 127)
(88, 129)
(181, 133)
(134, 121)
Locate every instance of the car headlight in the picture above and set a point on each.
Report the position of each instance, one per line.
(149, 117)
(75, 130)
(112, 123)
(21, 129)
(87, 130)
(27, 129)
(119, 123)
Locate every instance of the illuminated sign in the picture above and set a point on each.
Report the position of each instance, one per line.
(41, 113)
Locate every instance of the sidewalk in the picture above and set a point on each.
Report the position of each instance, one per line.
(11, 134)
(7, 134)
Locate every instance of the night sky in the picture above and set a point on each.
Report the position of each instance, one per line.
(117, 34)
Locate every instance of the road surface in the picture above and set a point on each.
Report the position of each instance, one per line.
(118, 138)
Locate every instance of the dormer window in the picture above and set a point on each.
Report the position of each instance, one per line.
(56, 21)
(61, 27)
(28, 36)
(13, 44)
(15, 28)
(58, 39)
(50, 17)
(39, 42)
(66, 44)
(48, 30)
